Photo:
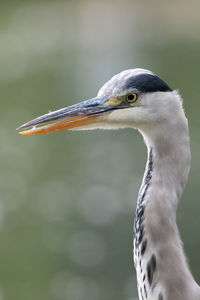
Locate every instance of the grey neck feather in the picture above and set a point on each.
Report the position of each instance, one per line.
(162, 270)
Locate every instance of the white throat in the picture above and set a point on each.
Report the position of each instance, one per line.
(162, 271)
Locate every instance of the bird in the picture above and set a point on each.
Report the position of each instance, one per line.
(139, 99)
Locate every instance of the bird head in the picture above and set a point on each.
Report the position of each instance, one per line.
(134, 98)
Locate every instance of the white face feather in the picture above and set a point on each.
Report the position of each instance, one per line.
(149, 109)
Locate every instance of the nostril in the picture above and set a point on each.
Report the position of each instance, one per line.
(92, 105)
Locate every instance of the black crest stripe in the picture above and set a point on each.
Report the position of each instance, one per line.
(147, 83)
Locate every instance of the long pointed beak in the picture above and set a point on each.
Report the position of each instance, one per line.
(77, 115)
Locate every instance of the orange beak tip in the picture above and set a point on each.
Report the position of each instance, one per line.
(23, 133)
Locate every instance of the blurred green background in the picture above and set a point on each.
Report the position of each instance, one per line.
(67, 200)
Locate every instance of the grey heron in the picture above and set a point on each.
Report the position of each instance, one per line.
(139, 99)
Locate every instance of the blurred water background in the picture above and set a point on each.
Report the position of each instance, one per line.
(67, 200)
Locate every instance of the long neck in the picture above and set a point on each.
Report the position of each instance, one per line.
(162, 270)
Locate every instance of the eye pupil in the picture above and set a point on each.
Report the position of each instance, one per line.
(130, 97)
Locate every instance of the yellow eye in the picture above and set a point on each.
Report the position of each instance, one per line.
(131, 97)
